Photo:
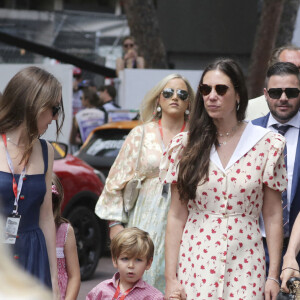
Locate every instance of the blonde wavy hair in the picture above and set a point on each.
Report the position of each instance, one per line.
(148, 107)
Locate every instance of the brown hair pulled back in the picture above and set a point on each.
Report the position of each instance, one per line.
(194, 165)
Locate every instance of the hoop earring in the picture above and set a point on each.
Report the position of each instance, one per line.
(238, 106)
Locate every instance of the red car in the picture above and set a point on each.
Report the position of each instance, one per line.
(82, 188)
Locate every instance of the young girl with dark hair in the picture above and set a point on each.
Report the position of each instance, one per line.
(66, 251)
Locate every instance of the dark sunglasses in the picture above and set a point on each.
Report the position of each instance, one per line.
(55, 110)
(168, 93)
(275, 93)
(128, 45)
(221, 89)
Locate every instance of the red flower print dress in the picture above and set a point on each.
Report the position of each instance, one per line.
(221, 254)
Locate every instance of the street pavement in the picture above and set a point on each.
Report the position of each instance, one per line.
(105, 270)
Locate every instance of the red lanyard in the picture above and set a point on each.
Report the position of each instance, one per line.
(160, 128)
(115, 297)
(16, 187)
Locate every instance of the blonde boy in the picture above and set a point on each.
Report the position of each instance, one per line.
(132, 254)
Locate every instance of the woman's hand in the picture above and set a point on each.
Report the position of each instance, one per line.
(113, 231)
(174, 290)
(289, 269)
(271, 289)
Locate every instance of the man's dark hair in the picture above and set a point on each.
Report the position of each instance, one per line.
(282, 68)
(110, 89)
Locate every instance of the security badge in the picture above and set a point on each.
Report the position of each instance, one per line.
(11, 229)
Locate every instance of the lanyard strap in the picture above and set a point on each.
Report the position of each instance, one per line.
(16, 187)
(118, 292)
(161, 131)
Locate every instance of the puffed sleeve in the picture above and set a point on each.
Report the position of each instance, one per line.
(171, 158)
(110, 204)
(274, 175)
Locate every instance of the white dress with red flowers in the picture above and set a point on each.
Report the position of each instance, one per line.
(221, 252)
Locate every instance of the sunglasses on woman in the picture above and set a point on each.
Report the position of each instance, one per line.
(55, 110)
(275, 93)
(168, 93)
(206, 89)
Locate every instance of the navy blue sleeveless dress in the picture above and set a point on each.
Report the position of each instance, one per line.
(30, 248)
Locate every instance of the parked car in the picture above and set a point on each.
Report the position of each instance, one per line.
(82, 188)
(104, 143)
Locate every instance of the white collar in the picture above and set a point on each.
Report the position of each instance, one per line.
(295, 121)
(251, 135)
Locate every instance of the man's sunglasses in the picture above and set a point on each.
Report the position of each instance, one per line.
(128, 45)
(168, 93)
(275, 93)
(221, 89)
(55, 110)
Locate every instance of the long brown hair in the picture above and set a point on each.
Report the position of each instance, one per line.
(193, 167)
(29, 93)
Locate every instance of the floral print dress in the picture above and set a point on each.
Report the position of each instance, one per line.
(151, 208)
(221, 253)
(61, 239)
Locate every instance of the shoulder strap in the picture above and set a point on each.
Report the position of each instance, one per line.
(140, 150)
(45, 154)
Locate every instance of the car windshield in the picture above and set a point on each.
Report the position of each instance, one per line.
(106, 143)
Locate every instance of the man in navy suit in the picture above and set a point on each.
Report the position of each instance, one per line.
(282, 93)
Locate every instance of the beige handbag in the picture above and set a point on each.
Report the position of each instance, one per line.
(132, 188)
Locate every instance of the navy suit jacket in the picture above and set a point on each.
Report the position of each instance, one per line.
(295, 193)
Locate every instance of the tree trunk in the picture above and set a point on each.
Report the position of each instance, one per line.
(144, 27)
(264, 42)
(287, 23)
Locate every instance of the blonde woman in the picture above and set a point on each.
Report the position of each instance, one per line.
(164, 111)
(30, 102)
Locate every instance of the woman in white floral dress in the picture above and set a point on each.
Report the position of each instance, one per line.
(224, 173)
(164, 111)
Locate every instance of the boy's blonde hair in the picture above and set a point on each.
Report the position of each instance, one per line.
(134, 242)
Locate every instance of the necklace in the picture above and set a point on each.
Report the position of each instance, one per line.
(11, 141)
(233, 129)
(228, 134)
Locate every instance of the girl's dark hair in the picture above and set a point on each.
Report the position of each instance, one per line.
(193, 167)
(57, 200)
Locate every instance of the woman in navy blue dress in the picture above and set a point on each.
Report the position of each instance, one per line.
(30, 102)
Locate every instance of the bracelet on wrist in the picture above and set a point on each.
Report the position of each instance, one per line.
(114, 223)
(274, 279)
(290, 269)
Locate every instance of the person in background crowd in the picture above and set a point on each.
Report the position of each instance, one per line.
(77, 91)
(132, 254)
(107, 94)
(66, 249)
(88, 118)
(30, 102)
(130, 58)
(223, 173)
(164, 111)
(282, 94)
(258, 107)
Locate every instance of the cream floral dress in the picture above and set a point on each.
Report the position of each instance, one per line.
(152, 205)
(221, 253)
